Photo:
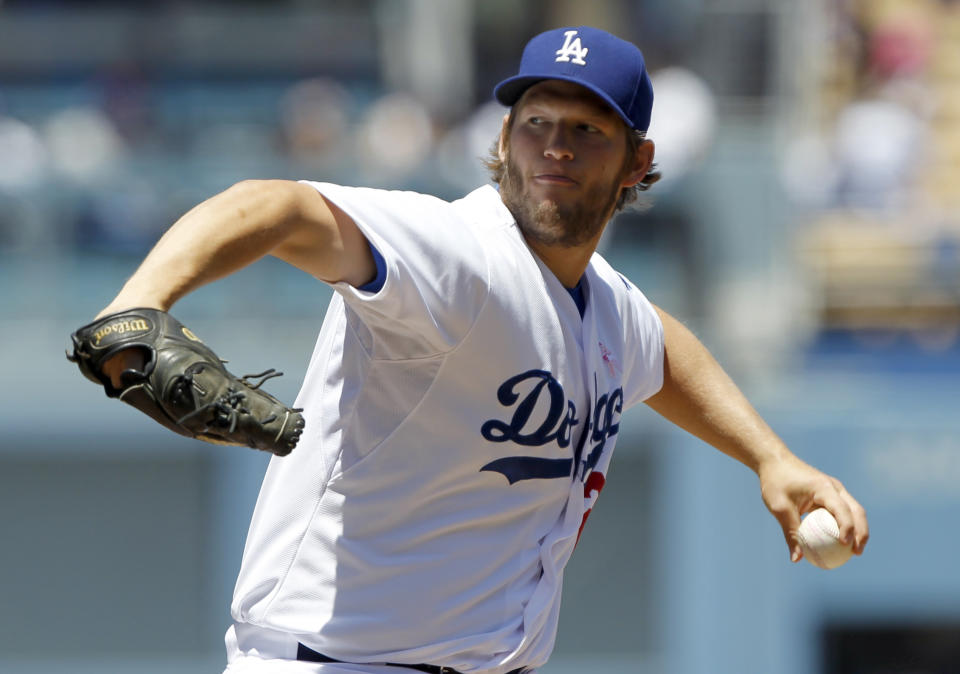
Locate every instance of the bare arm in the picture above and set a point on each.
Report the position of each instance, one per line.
(231, 230)
(698, 396)
(288, 220)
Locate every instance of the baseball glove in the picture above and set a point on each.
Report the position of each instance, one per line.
(184, 384)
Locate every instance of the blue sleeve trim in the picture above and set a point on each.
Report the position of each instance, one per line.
(376, 284)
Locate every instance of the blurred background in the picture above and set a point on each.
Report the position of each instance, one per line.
(807, 228)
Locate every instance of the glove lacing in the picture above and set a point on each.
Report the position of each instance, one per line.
(227, 408)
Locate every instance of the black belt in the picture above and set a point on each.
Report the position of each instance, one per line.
(310, 655)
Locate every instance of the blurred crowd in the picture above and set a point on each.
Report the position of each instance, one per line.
(125, 147)
(881, 130)
(877, 163)
(125, 155)
(105, 146)
(115, 120)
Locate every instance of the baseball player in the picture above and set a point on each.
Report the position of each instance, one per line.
(466, 389)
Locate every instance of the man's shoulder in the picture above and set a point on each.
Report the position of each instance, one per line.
(484, 206)
(373, 194)
(615, 280)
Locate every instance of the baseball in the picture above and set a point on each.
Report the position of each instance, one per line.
(820, 540)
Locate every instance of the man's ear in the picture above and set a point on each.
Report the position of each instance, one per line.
(502, 142)
(641, 165)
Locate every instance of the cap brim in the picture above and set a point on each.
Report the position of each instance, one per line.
(509, 91)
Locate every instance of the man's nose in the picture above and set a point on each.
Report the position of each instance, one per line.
(558, 144)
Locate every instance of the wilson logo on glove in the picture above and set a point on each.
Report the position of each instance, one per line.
(120, 328)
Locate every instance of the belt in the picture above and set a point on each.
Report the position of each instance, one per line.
(309, 655)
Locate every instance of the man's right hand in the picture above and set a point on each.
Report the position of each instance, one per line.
(133, 358)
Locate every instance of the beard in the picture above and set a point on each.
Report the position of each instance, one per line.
(550, 223)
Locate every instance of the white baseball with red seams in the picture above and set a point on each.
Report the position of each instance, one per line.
(819, 536)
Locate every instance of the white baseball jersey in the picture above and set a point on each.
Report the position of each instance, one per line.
(459, 423)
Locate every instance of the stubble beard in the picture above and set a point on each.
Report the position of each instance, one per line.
(550, 223)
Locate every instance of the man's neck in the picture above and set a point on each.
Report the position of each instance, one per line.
(568, 263)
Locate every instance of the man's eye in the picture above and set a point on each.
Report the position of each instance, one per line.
(589, 128)
(536, 120)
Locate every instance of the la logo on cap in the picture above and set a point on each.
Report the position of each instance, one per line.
(572, 48)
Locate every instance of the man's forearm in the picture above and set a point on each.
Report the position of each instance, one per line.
(219, 236)
(698, 396)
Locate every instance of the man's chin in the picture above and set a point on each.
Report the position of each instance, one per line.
(549, 218)
(549, 227)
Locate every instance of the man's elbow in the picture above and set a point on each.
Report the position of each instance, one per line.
(278, 199)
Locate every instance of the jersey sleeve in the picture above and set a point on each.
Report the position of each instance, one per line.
(644, 348)
(433, 276)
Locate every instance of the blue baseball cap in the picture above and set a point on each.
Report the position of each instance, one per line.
(611, 68)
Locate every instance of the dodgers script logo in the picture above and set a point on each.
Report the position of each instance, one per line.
(533, 390)
(572, 47)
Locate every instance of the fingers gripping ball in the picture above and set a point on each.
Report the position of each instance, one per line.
(819, 537)
(183, 384)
